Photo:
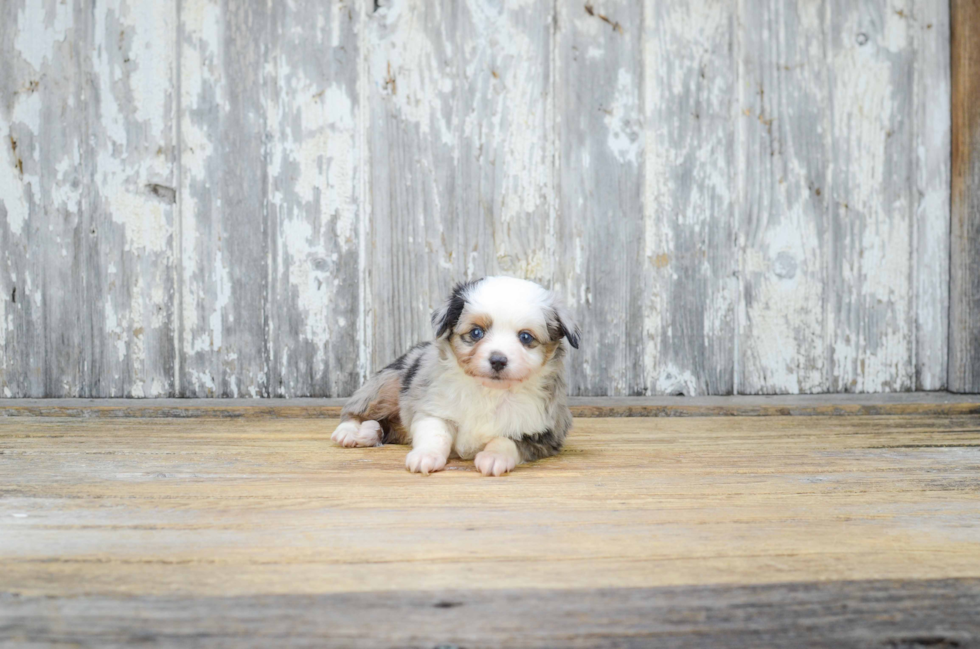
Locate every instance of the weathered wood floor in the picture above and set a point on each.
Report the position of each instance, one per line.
(721, 531)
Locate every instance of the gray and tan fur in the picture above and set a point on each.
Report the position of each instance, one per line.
(491, 386)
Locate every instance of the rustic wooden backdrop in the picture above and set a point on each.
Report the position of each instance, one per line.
(203, 198)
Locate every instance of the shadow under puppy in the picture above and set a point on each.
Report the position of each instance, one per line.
(491, 386)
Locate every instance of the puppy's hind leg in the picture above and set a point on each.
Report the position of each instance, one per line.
(363, 416)
(351, 433)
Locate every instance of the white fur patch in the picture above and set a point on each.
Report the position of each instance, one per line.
(481, 413)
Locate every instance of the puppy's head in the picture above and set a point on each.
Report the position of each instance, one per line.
(503, 330)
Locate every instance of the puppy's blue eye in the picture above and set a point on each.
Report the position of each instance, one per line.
(476, 333)
(526, 338)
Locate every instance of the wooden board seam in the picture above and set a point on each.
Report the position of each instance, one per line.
(934, 404)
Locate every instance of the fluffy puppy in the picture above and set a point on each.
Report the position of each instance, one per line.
(491, 386)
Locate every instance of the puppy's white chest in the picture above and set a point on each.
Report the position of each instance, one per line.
(480, 414)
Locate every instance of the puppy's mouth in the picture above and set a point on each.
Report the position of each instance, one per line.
(493, 379)
(498, 383)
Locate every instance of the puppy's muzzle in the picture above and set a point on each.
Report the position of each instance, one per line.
(498, 361)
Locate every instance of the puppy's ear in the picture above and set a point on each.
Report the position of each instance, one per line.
(444, 318)
(561, 324)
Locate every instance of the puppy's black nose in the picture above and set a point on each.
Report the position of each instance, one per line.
(498, 361)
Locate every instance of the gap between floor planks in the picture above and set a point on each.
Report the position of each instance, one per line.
(903, 403)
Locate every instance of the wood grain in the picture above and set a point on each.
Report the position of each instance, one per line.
(271, 200)
(784, 230)
(930, 271)
(236, 508)
(316, 166)
(733, 532)
(858, 614)
(964, 301)
(830, 405)
(858, 221)
(87, 173)
(223, 200)
(869, 197)
(689, 197)
(598, 54)
(206, 198)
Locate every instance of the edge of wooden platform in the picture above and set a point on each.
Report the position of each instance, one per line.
(908, 403)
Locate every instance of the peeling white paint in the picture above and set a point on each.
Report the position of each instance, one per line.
(312, 293)
(201, 88)
(931, 238)
(418, 76)
(672, 380)
(5, 326)
(152, 47)
(203, 381)
(145, 218)
(326, 157)
(623, 120)
(509, 125)
(35, 295)
(133, 339)
(898, 16)
(222, 290)
(67, 191)
(878, 276)
(11, 186)
(14, 183)
(146, 222)
(470, 100)
(689, 197)
(41, 27)
(316, 153)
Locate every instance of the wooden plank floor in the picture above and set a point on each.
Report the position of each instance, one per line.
(808, 531)
(806, 405)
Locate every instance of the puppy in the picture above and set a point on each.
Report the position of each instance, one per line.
(491, 386)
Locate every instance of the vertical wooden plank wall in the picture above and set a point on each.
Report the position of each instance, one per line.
(315, 173)
(269, 199)
(223, 200)
(207, 198)
(869, 197)
(931, 239)
(689, 196)
(783, 122)
(964, 303)
(87, 193)
(842, 224)
(599, 126)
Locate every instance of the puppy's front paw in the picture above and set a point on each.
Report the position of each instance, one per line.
(424, 462)
(350, 433)
(490, 463)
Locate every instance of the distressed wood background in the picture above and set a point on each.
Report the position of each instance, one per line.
(202, 198)
(964, 306)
